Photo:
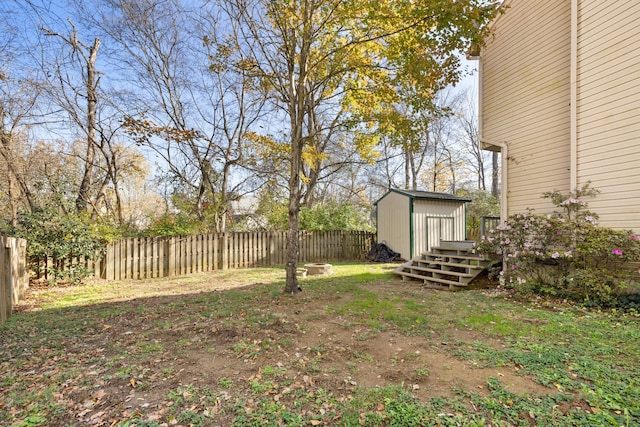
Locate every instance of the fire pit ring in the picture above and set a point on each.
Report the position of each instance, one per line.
(318, 269)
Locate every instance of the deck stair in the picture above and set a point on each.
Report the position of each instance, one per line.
(449, 266)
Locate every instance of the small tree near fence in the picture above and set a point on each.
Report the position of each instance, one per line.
(565, 253)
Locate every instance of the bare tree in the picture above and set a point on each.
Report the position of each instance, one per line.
(467, 121)
(18, 98)
(197, 107)
(445, 162)
(19, 94)
(77, 63)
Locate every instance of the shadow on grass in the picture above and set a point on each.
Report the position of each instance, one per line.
(230, 348)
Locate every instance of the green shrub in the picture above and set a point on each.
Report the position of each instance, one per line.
(335, 216)
(58, 237)
(179, 224)
(327, 216)
(565, 253)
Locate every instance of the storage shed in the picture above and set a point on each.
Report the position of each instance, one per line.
(412, 222)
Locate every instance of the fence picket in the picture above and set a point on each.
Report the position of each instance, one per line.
(5, 283)
(263, 251)
(120, 260)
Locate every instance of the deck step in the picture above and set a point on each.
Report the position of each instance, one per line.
(431, 280)
(439, 271)
(468, 257)
(419, 261)
(444, 268)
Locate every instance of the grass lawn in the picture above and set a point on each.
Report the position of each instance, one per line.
(356, 348)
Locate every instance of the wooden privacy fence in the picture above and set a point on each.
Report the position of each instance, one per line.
(152, 257)
(14, 277)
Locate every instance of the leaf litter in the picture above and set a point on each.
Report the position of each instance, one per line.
(181, 360)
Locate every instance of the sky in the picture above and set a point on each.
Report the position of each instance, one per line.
(59, 10)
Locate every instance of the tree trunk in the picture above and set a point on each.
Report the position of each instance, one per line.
(292, 252)
(224, 196)
(407, 168)
(298, 97)
(13, 200)
(495, 173)
(82, 201)
(291, 286)
(413, 169)
(481, 175)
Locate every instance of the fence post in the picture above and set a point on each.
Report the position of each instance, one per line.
(135, 265)
(17, 285)
(14, 276)
(210, 252)
(5, 283)
(23, 271)
(147, 252)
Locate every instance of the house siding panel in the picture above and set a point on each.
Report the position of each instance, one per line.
(525, 98)
(393, 222)
(608, 109)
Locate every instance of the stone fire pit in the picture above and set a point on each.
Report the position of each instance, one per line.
(318, 269)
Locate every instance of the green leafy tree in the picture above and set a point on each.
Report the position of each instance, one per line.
(328, 64)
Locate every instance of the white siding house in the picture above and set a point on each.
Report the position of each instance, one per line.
(412, 222)
(560, 98)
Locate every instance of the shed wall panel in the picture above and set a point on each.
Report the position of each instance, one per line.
(608, 109)
(525, 98)
(393, 222)
(424, 213)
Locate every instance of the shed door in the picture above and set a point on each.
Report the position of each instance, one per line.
(439, 228)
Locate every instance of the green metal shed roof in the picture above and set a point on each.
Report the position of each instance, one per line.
(426, 195)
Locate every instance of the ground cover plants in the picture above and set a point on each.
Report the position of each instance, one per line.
(356, 348)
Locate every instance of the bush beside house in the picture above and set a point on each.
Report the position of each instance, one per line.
(565, 253)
